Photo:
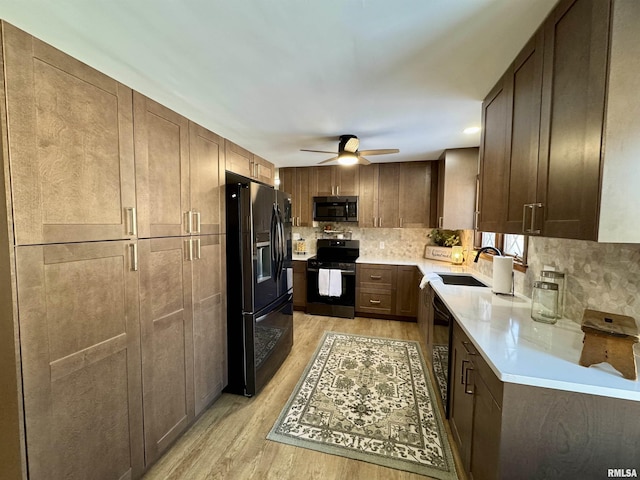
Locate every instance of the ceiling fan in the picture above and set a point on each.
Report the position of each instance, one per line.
(348, 153)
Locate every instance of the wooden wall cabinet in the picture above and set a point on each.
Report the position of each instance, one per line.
(178, 173)
(493, 159)
(112, 331)
(336, 180)
(209, 293)
(555, 153)
(456, 172)
(295, 181)
(247, 164)
(395, 195)
(70, 139)
(166, 323)
(80, 343)
(300, 284)
(387, 290)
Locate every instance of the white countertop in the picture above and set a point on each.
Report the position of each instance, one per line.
(519, 349)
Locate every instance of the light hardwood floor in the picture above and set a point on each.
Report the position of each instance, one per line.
(229, 440)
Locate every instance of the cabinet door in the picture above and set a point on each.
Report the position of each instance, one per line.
(414, 194)
(303, 198)
(575, 72)
(368, 197)
(70, 138)
(238, 160)
(167, 341)
(493, 159)
(206, 174)
(288, 182)
(209, 319)
(263, 171)
(388, 195)
(162, 169)
(485, 445)
(525, 83)
(457, 173)
(322, 182)
(347, 179)
(460, 401)
(407, 291)
(80, 343)
(300, 284)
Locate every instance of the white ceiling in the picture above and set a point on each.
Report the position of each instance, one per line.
(278, 75)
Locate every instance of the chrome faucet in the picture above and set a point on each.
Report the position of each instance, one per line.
(484, 249)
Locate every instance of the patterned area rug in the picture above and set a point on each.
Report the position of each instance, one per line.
(369, 399)
(440, 366)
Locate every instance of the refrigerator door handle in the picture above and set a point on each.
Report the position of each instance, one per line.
(273, 231)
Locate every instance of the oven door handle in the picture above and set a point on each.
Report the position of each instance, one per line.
(344, 272)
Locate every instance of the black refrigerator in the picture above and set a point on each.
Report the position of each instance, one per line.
(259, 283)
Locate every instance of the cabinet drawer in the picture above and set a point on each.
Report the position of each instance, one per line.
(377, 276)
(374, 301)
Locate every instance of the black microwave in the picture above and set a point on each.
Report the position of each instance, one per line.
(335, 209)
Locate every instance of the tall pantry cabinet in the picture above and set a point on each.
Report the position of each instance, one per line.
(114, 257)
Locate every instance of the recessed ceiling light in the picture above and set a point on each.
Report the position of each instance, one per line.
(471, 130)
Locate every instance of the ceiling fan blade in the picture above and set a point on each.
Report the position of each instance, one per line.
(382, 151)
(328, 160)
(318, 151)
(363, 161)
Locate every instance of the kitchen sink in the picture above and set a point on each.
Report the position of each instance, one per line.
(460, 279)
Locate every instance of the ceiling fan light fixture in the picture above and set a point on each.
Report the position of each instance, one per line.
(347, 158)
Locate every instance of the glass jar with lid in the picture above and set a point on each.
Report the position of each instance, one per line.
(544, 302)
(558, 278)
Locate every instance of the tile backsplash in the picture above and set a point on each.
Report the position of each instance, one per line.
(599, 276)
(398, 242)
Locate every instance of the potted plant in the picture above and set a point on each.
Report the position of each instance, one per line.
(443, 240)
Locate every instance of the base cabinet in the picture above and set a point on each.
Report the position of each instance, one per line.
(387, 291)
(506, 430)
(300, 285)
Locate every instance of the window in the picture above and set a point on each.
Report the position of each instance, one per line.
(512, 245)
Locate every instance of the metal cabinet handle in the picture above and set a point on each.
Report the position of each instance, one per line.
(400, 222)
(476, 214)
(468, 387)
(375, 222)
(133, 221)
(463, 371)
(524, 217)
(338, 190)
(375, 302)
(188, 245)
(375, 277)
(440, 222)
(197, 214)
(134, 256)
(534, 230)
(470, 352)
(198, 251)
(380, 222)
(189, 218)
